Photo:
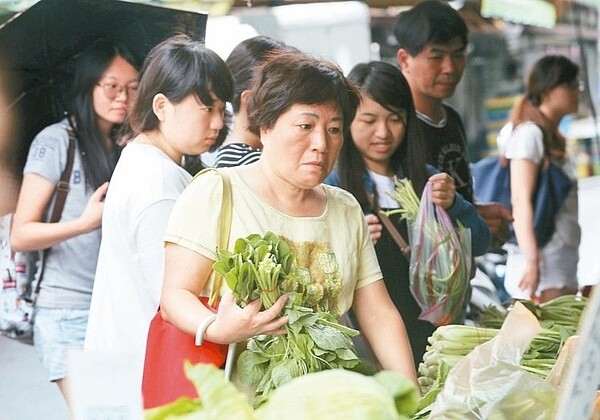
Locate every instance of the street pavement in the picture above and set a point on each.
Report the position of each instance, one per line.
(25, 394)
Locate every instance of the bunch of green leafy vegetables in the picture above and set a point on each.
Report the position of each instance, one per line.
(264, 267)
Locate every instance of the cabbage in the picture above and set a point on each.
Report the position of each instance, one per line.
(331, 394)
(340, 394)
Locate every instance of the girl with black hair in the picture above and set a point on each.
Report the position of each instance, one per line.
(241, 147)
(180, 109)
(384, 142)
(105, 86)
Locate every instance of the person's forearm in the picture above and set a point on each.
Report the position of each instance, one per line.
(383, 328)
(392, 347)
(467, 214)
(524, 232)
(182, 309)
(35, 236)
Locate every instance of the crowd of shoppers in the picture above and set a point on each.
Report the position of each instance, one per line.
(311, 155)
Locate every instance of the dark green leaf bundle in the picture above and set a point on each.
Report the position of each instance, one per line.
(265, 268)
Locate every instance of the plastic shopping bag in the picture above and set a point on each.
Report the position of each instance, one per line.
(489, 382)
(440, 263)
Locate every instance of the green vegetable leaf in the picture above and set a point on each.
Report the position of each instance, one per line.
(402, 389)
(220, 398)
(251, 367)
(328, 338)
(180, 407)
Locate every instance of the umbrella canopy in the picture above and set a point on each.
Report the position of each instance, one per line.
(37, 47)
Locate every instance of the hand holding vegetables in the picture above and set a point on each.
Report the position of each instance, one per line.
(234, 324)
(259, 271)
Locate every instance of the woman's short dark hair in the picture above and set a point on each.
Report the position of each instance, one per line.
(245, 57)
(98, 161)
(296, 78)
(547, 73)
(177, 68)
(429, 22)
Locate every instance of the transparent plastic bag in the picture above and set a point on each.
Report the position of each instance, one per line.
(490, 384)
(440, 263)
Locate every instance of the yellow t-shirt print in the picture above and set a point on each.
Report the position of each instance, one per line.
(318, 270)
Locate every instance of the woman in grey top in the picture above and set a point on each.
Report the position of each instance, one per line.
(105, 86)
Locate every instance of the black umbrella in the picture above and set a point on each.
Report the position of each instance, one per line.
(37, 47)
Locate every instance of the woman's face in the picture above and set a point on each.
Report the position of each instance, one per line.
(114, 94)
(564, 98)
(377, 133)
(302, 146)
(190, 127)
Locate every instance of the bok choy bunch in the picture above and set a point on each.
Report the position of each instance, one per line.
(264, 267)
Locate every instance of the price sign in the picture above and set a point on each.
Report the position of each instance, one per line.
(578, 391)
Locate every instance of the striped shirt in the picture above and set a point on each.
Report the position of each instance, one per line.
(236, 154)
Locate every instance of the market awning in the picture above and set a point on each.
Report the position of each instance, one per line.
(525, 12)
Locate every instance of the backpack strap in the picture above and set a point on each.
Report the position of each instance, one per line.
(63, 185)
(62, 189)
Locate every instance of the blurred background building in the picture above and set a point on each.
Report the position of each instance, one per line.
(506, 37)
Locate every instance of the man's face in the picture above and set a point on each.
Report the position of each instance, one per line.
(435, 72)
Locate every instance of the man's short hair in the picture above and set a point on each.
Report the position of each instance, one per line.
(429, 22)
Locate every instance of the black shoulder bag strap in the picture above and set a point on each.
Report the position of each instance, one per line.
(62, 189)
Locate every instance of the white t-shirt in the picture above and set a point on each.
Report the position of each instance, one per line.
(524, 142)
(333, 247)
(128, 282)
(384, 186)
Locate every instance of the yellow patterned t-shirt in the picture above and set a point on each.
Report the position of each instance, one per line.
(333, 249)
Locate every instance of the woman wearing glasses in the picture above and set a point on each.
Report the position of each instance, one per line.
(531, 141)
(103, 90)
(179, 111)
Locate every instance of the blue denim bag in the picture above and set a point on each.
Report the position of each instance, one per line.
(491, 179)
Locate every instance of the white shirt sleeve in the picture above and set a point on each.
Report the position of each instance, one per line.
(526, 141)
(149, 243)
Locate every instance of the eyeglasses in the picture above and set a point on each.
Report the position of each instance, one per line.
(575, 84)
(112, 90)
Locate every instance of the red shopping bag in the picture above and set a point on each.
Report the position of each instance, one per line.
(167, 347)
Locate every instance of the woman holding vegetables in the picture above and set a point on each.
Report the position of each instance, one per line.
(384, 143)
(300, 107)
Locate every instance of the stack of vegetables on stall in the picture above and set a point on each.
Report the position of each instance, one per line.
(449, 344)
(264, 267)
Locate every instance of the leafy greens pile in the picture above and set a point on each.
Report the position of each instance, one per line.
(332, 394)
(265, 268)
